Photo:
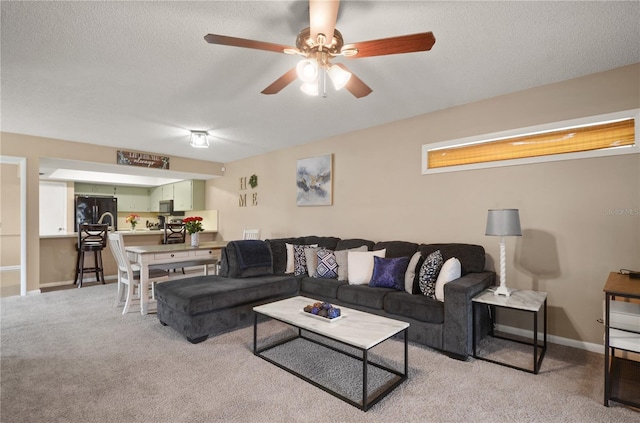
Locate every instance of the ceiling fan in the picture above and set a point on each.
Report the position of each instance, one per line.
(319, 44)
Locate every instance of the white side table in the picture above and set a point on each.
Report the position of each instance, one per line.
(528, 301)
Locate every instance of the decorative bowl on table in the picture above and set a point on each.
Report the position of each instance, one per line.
(323, 310)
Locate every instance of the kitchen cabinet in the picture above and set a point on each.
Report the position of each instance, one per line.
(160, 193)
(53, 207)
(155, 196)
(94, 189)
(168, 192)
(133, 199)
(188, 195)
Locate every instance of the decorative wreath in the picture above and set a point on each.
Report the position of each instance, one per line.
(253, 181)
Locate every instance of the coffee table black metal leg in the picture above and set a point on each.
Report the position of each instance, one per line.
(473, 327)
(364, 380)
(535, 343)
(406, 353)
(255, 332)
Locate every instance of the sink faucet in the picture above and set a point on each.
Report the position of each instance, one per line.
(102, 216)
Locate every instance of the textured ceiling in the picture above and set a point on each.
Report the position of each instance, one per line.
(139, 75)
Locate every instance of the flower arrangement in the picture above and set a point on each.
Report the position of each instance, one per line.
(133, 219)
(193, 224)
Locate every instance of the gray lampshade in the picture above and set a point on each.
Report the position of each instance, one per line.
(504, 222)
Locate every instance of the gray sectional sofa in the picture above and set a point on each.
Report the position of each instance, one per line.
(207, 305)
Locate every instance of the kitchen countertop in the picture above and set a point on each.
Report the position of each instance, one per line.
(138, 232)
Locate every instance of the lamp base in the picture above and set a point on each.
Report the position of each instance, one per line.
(503, 290)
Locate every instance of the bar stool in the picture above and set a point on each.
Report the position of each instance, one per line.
(174, 233)
(91, 237)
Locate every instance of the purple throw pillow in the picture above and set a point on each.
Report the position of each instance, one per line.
(389, 272)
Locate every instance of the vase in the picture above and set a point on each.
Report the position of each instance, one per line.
(133, 228)
(195, 239)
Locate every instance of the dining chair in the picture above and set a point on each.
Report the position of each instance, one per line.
(251, 234)
(91, 238)
(129, 273)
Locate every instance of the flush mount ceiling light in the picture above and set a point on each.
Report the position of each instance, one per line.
(199, 139)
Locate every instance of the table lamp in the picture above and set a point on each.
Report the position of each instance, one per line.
(503, 222)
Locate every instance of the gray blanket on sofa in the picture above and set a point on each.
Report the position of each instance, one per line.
(252, 253)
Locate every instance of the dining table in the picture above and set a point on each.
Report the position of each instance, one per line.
(150, 255)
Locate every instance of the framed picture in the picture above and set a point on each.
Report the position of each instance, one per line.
(314, 181)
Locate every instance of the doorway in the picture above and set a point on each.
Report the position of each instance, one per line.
(13, 227)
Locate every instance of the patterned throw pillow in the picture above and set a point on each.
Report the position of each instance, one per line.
(389, 272)
(327, 264)
(429, 274)
(300, 259)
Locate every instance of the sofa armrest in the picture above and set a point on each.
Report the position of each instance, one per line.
(457, 332)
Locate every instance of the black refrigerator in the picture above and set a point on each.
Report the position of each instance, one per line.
(89, 208)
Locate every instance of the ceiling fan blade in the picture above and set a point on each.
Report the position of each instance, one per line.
(242, 42)
(355, 85)
(395, 45)
(281, 82)
(323, 15)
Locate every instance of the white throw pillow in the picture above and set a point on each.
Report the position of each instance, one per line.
(410, 275)
(290, 260)
(343, 264)
(360, 265)
(451, 270)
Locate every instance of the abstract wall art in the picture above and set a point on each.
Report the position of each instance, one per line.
(314, 179)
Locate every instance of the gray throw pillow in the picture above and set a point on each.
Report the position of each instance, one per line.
(312, 260)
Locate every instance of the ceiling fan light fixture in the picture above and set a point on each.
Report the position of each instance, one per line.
(339, 77)
(307, 70)
(310, 88)
(199, 139)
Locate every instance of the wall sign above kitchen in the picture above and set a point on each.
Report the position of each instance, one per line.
(131, 158)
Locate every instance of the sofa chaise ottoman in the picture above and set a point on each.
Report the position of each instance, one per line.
(208, 305)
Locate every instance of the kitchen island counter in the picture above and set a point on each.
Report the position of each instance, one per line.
(138, 232)
(58, 254)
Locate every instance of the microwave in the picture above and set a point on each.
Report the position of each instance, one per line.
(166, 207)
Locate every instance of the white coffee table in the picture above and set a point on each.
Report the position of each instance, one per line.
(357, 329)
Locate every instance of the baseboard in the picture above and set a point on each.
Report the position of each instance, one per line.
(70, 282)
(554, 339)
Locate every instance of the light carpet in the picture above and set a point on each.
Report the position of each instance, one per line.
(70, 356)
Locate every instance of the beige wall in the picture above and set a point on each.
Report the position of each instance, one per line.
(570, 243)
(32, 148)
(10, 229)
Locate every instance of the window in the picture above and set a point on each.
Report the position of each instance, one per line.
(590, 137)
